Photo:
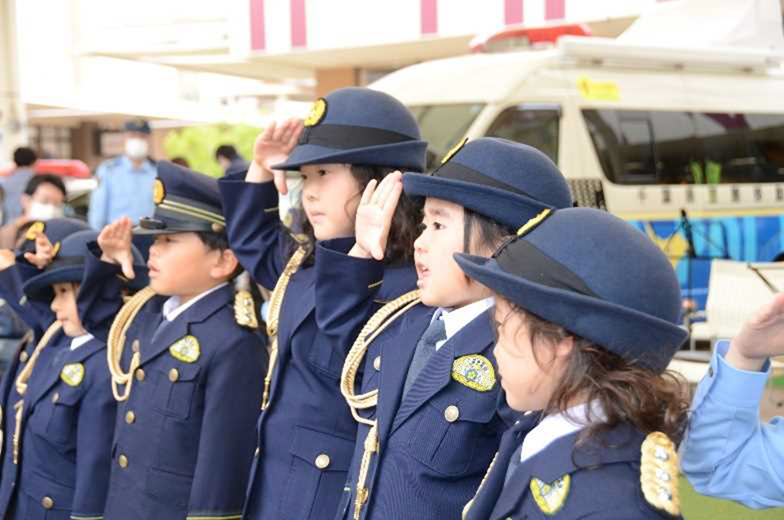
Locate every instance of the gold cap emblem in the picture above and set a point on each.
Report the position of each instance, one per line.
(456, 148)
(532, 223)
(158, 192)
(34, 229)
(317, 112)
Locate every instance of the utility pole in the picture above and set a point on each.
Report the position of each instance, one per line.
(13, 118)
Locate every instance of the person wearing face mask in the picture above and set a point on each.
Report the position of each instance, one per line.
(125, 183)
(43, 199)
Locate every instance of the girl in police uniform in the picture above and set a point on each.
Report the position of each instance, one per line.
(587, 322)
(425, 440)
(306, 433)
(59, 411)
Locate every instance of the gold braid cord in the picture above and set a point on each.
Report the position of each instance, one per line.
(276, 302)
(375, 326)
(21, 385)
(470, 503)
(116, 343)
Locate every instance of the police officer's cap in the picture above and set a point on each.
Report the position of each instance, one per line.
(185, 201)
(596, 276)
(138, 126)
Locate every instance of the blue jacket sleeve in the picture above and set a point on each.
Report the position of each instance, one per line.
(232, 401)
(728, 452)
(98, 214)
(100, 295)
(94, 432)
(261, 242)
(345, 288)
(36, 314)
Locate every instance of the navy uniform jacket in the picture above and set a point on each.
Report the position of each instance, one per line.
(436, 443)
(604, 482)
(64, 461)
(184, 439)
(306, 435)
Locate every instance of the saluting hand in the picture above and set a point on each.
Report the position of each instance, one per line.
(7, 259)
(272, 147)
(761, 337)
(374, 216)
(115, 243)
(44, 252)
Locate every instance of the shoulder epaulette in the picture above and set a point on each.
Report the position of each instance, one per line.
(659, 473)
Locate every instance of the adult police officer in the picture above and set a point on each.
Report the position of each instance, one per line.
(125, 183)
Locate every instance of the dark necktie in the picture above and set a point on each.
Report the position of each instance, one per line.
(425, 349)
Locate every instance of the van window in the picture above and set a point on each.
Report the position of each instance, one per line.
(442, 126)
(534, 125)
(663, 147)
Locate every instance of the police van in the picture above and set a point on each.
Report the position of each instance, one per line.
(686, 143)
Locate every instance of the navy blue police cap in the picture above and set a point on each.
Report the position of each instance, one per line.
(69, 263)
(357, 125)
(596, 276)
(505, 181)
(138, 126)
(55, 230)
(185, 201)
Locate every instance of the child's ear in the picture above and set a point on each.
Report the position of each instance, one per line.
(563, 349)
(226, 265)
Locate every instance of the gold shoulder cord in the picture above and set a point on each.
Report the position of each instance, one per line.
(116, 343)
(470, 503)
(276, 302)
(375, 325)
(21, 384)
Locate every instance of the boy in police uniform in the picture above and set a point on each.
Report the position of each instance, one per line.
(187, 367)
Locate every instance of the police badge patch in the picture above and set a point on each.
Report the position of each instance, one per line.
(72, 374)
(317, 113)
(186, 349)
(550, 497)
(475, 372)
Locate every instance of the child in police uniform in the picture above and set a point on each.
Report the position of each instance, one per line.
(186, 365)
(728, 452)
(58, 411)
(425, 440)
(587, 321)
(306, 434)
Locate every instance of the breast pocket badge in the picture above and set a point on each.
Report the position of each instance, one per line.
(72, 374)
(475, 372)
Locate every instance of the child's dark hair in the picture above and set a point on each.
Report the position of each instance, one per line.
(624, 391)
(489, 233)
(45, 178)
(220, 242)
(405, 222)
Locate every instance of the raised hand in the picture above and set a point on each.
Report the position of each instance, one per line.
(761, 337)
(374, 216)
(44, 252)
(115, 243)
(7, 259)
(273, 146)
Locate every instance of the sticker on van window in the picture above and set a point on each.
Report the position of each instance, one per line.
(598, 90)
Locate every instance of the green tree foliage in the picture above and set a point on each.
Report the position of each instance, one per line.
(197, 144)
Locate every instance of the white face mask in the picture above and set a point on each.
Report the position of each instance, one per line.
(136, 148)
(40, 211)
